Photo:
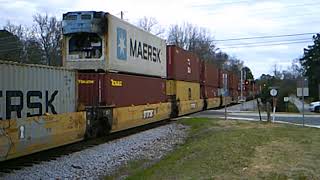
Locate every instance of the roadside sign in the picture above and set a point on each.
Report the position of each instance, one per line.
(285, 99)
(273, 92)
(304, 93)
(224, 92)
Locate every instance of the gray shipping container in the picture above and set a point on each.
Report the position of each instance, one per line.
(121, 47)
(33, 90)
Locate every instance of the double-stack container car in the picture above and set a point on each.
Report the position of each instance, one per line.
(122, 71)
(210, 85)
(183, 84)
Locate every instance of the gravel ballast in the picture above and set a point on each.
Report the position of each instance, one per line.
(105, 159)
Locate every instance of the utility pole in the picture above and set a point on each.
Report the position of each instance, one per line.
(121, 15)
(303, 102)
(241, 85)
(319, 90)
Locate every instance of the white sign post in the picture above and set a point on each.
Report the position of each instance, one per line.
(273, 93)
(302, 91)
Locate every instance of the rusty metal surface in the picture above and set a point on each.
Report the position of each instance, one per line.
(209, 74)
(19, 137)
(120, 90)
(182, 65)
(128, 117)
(33, 90)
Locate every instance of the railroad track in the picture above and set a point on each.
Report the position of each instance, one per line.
(53, 154)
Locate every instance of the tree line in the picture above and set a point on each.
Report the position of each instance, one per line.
(36, 44)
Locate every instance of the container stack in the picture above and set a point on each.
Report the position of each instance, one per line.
(210, 85)
(183, 84)
(129, 77)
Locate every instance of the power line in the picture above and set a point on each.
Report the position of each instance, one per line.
(265, 37)
(276, 44)
(257, 11)
(265, 42)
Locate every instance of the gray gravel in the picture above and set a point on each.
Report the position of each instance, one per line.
(105, 159)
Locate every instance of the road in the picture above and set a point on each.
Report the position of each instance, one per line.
(248, 111)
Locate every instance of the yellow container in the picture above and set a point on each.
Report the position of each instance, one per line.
(33, 134)
(129, 117)
(213, 102)
(187, 107)
(184, 91)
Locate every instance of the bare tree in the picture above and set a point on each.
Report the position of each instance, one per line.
(49, 33)
(151, 25)
(30, 50)
(276, 69)
(193, 38)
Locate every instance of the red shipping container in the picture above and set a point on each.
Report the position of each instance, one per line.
(119, 90)
(209, 92)
(182, 65)
(220, 78)
(236, 80)
(233, 81)
(209, 74)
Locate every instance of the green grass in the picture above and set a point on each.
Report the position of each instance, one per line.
(218, 149)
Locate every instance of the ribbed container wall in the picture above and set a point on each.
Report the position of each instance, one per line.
(35, 90)
(120, 90)
(182, 65)
(209, 75)
(233, 81)
(220, 78)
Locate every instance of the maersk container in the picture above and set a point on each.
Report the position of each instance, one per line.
(209, 74)
(34, 90)
(102, 42)
(120, 90)
(182, 65)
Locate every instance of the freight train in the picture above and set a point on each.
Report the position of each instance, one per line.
(115, 77)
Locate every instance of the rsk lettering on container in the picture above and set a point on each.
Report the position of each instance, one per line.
(14, 102)
(144, 51)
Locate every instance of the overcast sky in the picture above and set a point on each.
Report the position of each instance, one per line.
(226, 19)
